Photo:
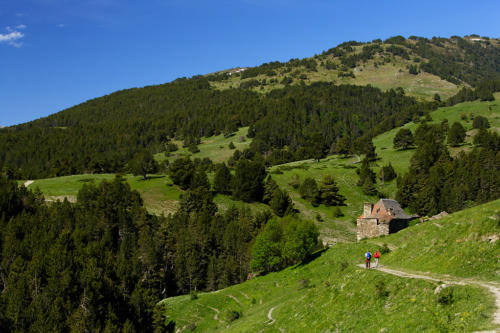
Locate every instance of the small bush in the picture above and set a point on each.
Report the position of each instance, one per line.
(445, 297)
(191, 327)
(343, 265)
(193, 295)
(385, 249)
(232, 315)
(304, 283)
(337, 212)
(319, 218)
(381, 289)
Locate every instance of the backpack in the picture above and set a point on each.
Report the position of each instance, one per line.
(368, 255)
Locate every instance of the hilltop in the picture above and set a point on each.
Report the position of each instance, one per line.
(331, 292)
(422, 67)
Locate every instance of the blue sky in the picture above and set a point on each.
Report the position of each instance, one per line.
(58, 53)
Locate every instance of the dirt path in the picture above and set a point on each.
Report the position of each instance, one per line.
(217, 311)
(270, 316)
(235, 299)
(28, 183)
(447, 279)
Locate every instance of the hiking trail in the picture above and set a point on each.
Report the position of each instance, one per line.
(270, 316)
(494, 288)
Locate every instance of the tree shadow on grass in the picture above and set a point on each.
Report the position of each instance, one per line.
(153, 177)
(310, 258)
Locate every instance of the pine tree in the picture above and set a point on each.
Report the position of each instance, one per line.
(365, 172)
(403, 139)
(309, 191)
(329, 192)
(456, 135)
(281, 203)
(199, 179)
(248, 181)
(369, 187)
(222, 179)
(181, 172)
(269, 189)
(143, 163)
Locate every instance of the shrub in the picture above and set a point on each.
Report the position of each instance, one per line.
(304, 283)
(193, 295)
(232, 315)
(445, 297)
(381, 289)
(337, 212)
(480, 122)
(385, 249)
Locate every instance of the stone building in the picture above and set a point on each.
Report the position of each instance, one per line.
(383, 218)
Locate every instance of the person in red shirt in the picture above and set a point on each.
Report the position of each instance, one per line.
(376, 255)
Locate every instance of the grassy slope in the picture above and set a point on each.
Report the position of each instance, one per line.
(161, 198)
(457, 244)
(391, 75)
(216, 147)
(343, 297)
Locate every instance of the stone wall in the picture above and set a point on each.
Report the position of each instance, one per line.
(368, 228)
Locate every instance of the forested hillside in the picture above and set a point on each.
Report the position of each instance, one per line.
(104, 134)
(298, 106)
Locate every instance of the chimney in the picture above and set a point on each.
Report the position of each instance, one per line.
(367, 212)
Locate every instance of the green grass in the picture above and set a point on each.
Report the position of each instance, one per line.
(457, 244)
(216, 147)
(331, 293)
(400, 159)
(158, 193)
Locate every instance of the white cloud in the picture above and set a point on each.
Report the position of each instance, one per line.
(19, 14)
(21, 26)
(60, 25)
(12, 38)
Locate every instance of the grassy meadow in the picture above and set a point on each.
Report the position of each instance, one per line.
(215, 147)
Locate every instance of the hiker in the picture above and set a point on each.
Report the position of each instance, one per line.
(376, 255)
(368, 257)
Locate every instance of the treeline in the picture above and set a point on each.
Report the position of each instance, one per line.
(484, 91)
(103, 263)
(437, 182)
(456, 59)
(104, 134)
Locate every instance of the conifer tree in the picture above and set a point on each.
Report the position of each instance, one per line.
(248, 181)
(222, 179)
(365, 172)
(269, 189)
(456, 135)
(143, 163)
(329, 192)
(281, 203)
(403, 139)
(181, 172)
(309, 191)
